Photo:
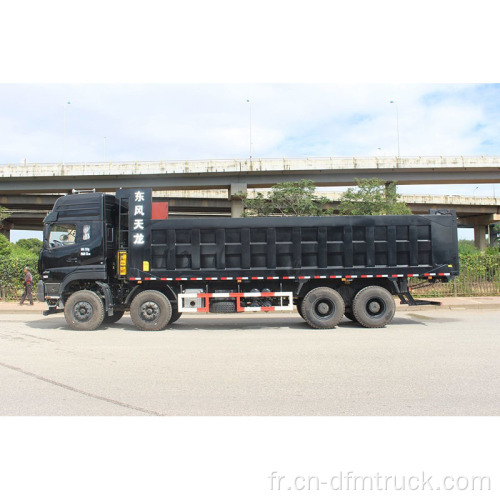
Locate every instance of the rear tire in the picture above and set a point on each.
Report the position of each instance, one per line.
(299, 308)
(150, 310)
(350, 315)
(374, 307)
(175, 316)
(84, 310)
(116, 316)
(322, 307)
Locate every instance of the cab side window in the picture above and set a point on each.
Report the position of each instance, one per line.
(62, 235)
(86, 232)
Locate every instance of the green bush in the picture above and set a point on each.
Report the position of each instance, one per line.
(467, 247)
(5, 246)
(33, 245)
(484, 264)
(20, 253)
(492, 251)
(12, 273)
(479, 275)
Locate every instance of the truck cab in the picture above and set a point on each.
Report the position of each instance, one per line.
(78, 244)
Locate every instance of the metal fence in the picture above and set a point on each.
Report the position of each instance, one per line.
(470, 283)
(12, 293)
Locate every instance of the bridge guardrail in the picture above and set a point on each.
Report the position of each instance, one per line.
(247, 165)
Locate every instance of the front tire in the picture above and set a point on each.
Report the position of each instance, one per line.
(84, 310)
(322, 307)
(374, 307)
(150, 310)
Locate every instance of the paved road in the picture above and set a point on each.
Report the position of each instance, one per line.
(436, 362)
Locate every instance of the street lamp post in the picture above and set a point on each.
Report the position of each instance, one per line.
(64, 132)
(397, 123)
(250, 111)
(104, 149)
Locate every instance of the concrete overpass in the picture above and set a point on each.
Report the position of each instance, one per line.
(256, 173)
(38, 183)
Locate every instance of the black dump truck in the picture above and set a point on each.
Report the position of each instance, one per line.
(106, 254)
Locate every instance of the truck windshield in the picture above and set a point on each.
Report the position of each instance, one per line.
(62, 234)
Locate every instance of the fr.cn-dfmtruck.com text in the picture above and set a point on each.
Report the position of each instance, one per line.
(350, 481)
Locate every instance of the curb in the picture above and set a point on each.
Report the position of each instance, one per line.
(451, 307)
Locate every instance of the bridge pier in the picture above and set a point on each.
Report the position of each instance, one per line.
(237, 205)
(480, 237)
(480, 225)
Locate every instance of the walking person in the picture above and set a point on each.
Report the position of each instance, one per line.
(28, 286)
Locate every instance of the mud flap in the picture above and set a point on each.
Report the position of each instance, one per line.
(407, 298)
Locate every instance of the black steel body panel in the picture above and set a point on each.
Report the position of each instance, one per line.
(284, 246)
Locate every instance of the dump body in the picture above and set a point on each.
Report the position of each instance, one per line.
(299, 246)
(346, 246)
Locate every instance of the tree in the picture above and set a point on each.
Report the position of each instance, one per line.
(287, 199)
(33, 245)
(4, 213)
(372, 197)
(5, 245)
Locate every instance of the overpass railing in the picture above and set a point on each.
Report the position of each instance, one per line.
(248, 165)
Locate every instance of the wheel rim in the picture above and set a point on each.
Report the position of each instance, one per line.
(149, 311)
(376, 307)
(83, 311)
(324, 308)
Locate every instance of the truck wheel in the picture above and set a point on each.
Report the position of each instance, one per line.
(150, 310)
(374, 307)
(84, 310)
(322, 307)
(299, 308)
(116, 316)
(175, 316)
(350, 315)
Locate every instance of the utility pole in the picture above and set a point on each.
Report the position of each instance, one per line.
(250, 108)
(64, 132)
(397, 123)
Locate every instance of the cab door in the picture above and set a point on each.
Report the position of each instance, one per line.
(69, 246)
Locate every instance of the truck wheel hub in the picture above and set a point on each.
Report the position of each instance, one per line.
(150, 311)
(374, 307)
(324, 308)
(83, 311)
